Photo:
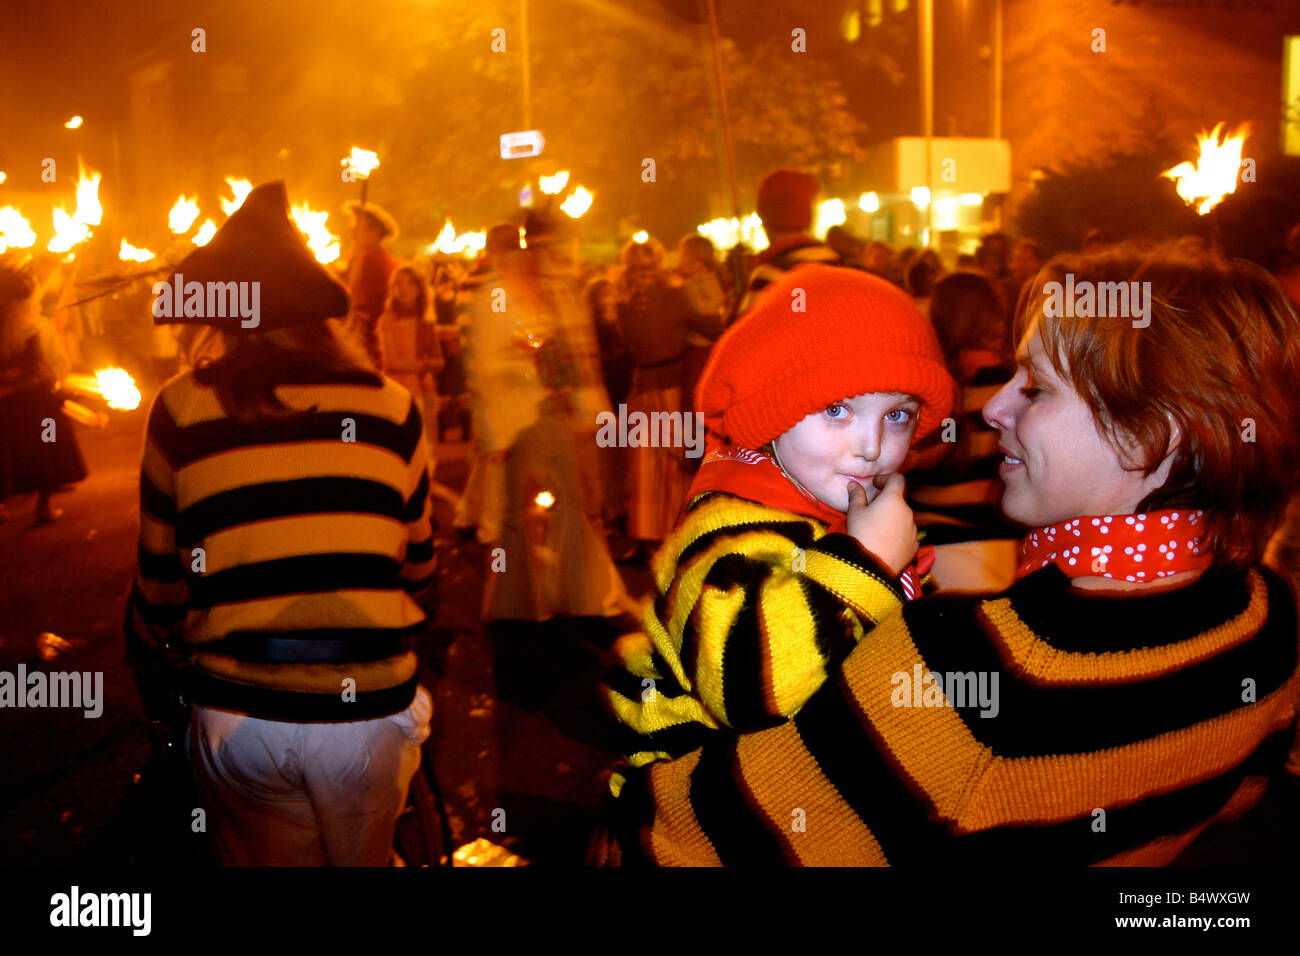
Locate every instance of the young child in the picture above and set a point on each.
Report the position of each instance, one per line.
(795, 537)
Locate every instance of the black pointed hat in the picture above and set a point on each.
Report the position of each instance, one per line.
(258, 243)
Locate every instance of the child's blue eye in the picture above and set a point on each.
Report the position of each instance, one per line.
(906, 414)
(834, 410)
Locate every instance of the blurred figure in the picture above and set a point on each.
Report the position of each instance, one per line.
(785, 204)
(38, 448)
(656, 319)
(453, 406)
(899, 265)
(954, 488)
(600, 297)
(488, 354)
(702, 286)
(369, 271)
(408, 345)
(877, 257)
(925, 270)
(1026, 260)
(535, 352)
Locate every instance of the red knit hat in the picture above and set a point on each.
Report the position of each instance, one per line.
(785, 200)
(857, 334)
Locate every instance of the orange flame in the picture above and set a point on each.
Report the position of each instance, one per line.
(323, 244)
(182, 215)
(1214, 176)
(15, 231)
(205, 233)
(239, 188)
(129, 253)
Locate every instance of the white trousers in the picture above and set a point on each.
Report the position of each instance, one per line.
(313, 794)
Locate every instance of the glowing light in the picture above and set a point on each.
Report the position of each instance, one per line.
(579, 201)
(726, 233)
(553, 184)
(920, 196)
(129, 253)
(362, 162)
(869, 202)
(640, 236)
(114, 385)
(3, 177)
(205, 233)
(945, 212)
(74, 123)
(830, 212)
(1214, 176)
(68, 232)
(467, 244)
(239, 188)
(15, 231)
(182, 215)
(972, 199)
(324, 245)
(89, 211)
(544, 499)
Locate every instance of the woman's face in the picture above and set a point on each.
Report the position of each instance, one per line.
(405, 289)
(1057, 465)
(856, 439)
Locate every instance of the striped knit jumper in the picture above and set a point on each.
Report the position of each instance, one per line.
(312, 547)
(1166, 711)
(753, 607)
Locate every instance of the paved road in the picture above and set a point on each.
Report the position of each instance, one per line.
(533, 752)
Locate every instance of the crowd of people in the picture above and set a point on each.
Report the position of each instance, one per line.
(910, 466)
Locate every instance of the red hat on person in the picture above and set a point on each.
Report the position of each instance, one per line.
(785, 200)
(816, 336)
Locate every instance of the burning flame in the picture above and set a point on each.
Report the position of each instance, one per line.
(553, 184)
(129, 253)
(15, 230)
(579, 201)
(726, 233)
(114, 385)
(239, 188)
(468, 244)
(205, 233)
(89, 211)
(182, 215)
(640, 236)
(869, 202)
(544, 499)
(323, 244)
(74, 123)
(1214, 176)
(361, 161)
(68, 232)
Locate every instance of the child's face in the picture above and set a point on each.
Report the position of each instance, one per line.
(857, 438)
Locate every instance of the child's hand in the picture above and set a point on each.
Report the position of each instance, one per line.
(886, 527)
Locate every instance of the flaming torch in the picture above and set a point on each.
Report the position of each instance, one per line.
(205, 233)
(129, 253)
(15, 231)
(579, 201)
(182, 215)
(551, 185)
(239, 188)
(1214, 176)
(323, 244)
(114, 385)
(361, 162)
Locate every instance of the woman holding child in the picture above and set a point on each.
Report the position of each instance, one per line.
(1144, 662)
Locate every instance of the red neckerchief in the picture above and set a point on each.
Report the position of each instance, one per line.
(754, 476)
(1140, 547)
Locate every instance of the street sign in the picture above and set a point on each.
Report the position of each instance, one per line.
(528, 142)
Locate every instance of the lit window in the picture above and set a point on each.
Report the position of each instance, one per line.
(852, 25)
(900, 6)
(875, 12)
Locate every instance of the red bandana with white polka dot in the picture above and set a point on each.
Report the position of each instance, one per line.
(1141, 547)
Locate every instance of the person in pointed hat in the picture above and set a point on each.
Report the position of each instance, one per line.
(285, 550)
(370, 270)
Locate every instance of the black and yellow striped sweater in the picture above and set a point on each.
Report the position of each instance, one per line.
(1119, 730)
(753, 607)
(285, 559)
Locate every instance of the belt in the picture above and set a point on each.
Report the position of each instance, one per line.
(310, 647)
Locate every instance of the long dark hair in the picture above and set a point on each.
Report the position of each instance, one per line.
(255, 363)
